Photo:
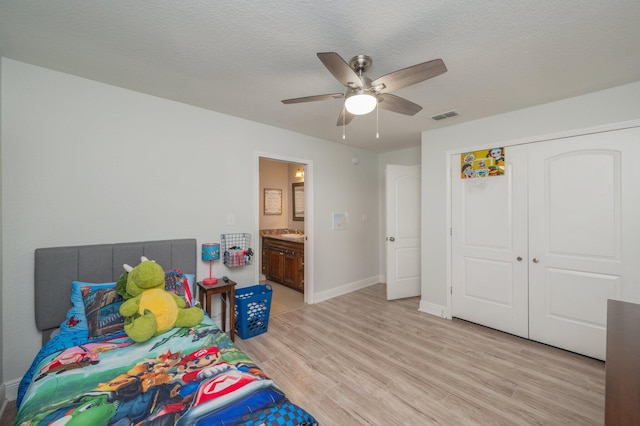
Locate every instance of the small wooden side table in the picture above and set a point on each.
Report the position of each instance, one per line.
(226, 290)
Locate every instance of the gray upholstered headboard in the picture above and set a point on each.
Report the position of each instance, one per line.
(57, 267)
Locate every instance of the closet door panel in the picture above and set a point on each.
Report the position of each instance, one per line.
(582, 227)
(562, 286)
(489, 246)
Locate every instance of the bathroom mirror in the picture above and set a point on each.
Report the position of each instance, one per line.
(298, 201)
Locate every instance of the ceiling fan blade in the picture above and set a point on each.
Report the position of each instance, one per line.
(340, 69)
(313, 98)
(410, 75)
(397, 104)
(345, 117)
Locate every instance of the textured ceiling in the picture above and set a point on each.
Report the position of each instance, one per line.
(242, 57)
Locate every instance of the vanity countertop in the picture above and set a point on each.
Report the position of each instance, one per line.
(284, 235)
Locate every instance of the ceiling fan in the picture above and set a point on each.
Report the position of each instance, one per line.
(363, 94)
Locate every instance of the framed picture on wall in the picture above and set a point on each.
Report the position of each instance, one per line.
(272, 201)
(298, 201)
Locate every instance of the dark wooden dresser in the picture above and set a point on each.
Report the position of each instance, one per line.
(622, 388)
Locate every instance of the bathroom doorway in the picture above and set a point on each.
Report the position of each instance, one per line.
(284, 229)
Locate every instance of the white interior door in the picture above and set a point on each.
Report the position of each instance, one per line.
(403, 231)
(584, 205)
(489, 246)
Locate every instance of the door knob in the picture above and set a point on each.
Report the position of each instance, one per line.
(536, 260)
(392, 239)
(519, 259)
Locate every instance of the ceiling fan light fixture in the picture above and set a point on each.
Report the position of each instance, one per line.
(360, 102)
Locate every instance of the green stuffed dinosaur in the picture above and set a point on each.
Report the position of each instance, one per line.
(151, 310)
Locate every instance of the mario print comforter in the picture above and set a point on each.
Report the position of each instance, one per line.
(187, 376)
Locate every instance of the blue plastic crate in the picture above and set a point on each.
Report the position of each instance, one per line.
(252, 306)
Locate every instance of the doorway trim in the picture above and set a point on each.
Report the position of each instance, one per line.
(308, 217)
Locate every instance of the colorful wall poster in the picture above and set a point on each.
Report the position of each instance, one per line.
(483, 163)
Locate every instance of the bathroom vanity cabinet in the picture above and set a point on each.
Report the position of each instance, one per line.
(283, 262)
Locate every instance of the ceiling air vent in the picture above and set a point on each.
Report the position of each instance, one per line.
(444, 115)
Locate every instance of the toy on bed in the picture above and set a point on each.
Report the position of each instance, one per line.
(149, 309)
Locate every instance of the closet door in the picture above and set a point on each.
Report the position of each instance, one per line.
(489, 246)
(583, 236)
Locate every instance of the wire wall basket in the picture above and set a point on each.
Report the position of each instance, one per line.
(237, 249)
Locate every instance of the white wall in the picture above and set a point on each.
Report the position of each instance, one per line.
(87, 163)
(2, 386)
(527, 125)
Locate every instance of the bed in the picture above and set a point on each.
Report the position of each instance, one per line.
(94, 374)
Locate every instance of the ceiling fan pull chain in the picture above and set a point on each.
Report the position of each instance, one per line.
(377, 133)
(344, 127)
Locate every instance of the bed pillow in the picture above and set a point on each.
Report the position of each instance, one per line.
(102, 311)
(180, 284)
(76, 321)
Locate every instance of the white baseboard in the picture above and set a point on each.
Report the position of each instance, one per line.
(433, 309)
(345, 289)
(11, 389)
(3, 399)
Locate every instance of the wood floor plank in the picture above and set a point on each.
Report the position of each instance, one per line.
(360, 359)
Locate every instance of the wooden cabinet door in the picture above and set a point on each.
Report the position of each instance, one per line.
(275, 265)
(283, 262)
(265, 263)
(290, 273)
(301, 271)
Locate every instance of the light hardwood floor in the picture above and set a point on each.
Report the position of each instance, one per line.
(9, 414)
(284, 299)
(359, 359)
